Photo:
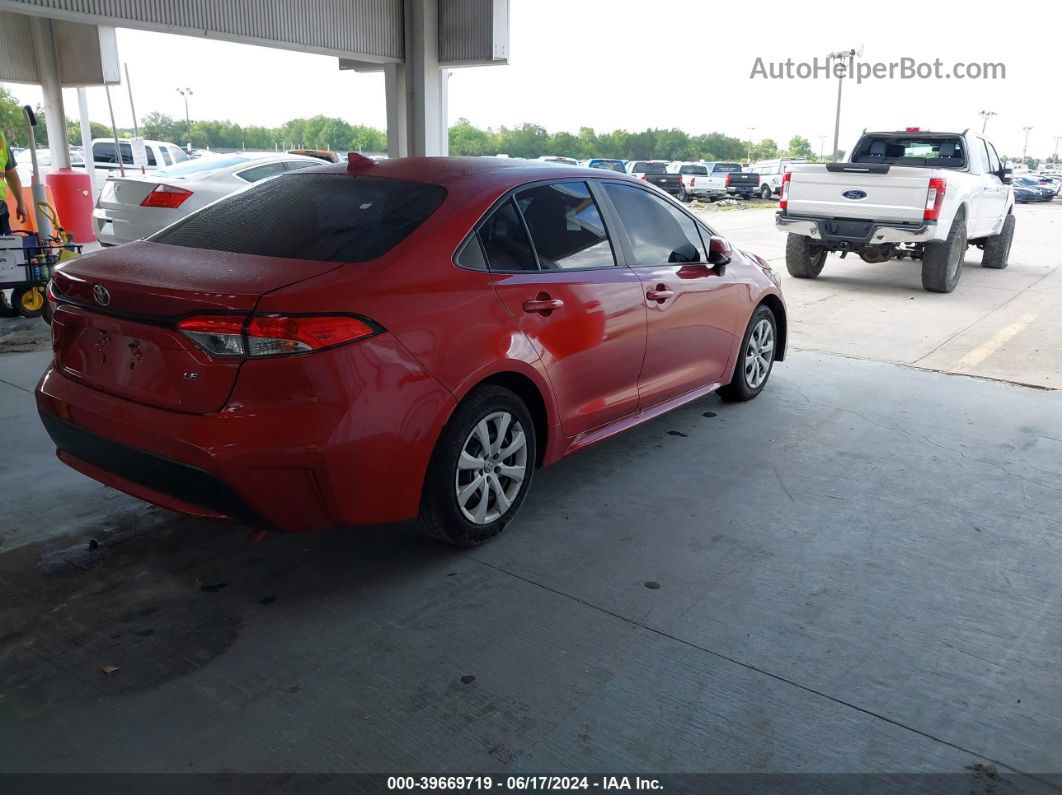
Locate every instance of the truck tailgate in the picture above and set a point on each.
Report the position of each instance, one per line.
(896, 195)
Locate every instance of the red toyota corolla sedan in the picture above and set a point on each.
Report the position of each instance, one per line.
(408, 339)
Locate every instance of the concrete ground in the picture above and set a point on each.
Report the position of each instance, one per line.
(859, 571)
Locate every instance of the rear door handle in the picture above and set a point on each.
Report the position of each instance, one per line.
(543, 304)
(660, 294)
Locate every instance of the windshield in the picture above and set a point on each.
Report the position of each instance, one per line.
(610, 165)
(327, 217)
(726, 168)
(699, 170)
(650, 168)
(911, 150)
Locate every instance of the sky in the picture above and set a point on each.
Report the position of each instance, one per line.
(670, 63)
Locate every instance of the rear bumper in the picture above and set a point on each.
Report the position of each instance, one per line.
(855, 234)
(294, 449)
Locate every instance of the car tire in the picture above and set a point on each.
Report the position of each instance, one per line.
(482, 515)
(755, 357)
(997, 248)
(766, 193)
(28, 301)
(942, 260)
(802, 260)
(684, 196)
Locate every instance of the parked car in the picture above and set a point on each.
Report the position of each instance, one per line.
(160, 154)
(1042, 190)
(326, 155)
(655, 172)
(903, 195)
(619, 166)
(1024, 195)
(771, 173)
(714, 180)
(138, 205)
(406, 339)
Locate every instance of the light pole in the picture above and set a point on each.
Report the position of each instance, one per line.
(822, 143)
(187, 92)
(1055, 158)
(750, 129)
(1025, 149)
(850, 55)
(986, 115)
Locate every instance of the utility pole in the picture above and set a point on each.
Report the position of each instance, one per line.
(986, 115)
(822, 143)
(187, 92)
(750, 129)
(1055, 158)
(1025, 149)
(850, 55)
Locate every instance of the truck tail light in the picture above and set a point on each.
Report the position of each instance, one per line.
(645, 177)
(783, 196)
(728, 176)
(273, 335)
(693, 181)
(166, 196)
(935, 198)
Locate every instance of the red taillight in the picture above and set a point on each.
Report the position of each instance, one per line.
(783, 196)
(272, 335)
(645, 176)
(913, 129)
(693, 181)
(935, 198)
(166, 196)
(728, 176)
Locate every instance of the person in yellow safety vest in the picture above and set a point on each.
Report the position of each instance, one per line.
(9, 177)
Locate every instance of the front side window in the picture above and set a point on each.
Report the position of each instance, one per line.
(659, 233)
(565, 226)
(308, 216)
(505, 241)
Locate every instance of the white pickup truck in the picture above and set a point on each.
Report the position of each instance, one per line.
(714, 180)
(903, 195)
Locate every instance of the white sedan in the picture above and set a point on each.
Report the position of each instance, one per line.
(133, 207)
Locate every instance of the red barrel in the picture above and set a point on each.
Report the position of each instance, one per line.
(73, 202)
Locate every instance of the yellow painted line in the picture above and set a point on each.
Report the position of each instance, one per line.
(995, 342)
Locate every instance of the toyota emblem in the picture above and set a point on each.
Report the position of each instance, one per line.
(100, 295)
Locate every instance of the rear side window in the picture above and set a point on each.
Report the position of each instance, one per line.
(505, 241)
(327, 217)
(659, 233)
(166, 156)
(565, 226)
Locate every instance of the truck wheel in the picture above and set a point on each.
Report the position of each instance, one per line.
(801, 259)
(997, 247)
(684, 196)
(942, 259)
(766, 192)
(481, 469)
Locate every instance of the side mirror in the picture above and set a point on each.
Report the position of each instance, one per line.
(1006, 174)
(687, 252)
(719, 251)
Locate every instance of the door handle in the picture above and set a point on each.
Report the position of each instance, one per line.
(660, 293)
(543, 304)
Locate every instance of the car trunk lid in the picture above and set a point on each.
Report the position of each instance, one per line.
(115, 328)
(849, 190)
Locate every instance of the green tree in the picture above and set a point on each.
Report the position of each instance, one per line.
(799, 146)
(12, 120)
(466, 139)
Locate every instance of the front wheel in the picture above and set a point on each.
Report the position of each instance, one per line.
(481, 469)
(997, 248)
(756, 358)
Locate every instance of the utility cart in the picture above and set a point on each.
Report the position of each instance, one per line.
(26, 265)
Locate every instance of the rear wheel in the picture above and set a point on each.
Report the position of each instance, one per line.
(28, 301)
(684, 196)
(942, 259)
(997, 248)
(766, 192)
(755, 359)
(481, 469)
(803, 260)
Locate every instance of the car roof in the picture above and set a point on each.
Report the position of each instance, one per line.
(500, 171)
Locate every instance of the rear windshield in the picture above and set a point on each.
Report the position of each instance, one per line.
(700, 170)
(201, 165)
(726, 168)
(651, 168)
(610, 165)
(911, 150)
(326, 217)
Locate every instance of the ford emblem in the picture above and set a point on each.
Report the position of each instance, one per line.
(855, 195)
(101, 295)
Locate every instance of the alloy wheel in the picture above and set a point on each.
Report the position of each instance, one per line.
(491, 468)
(759, 353)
